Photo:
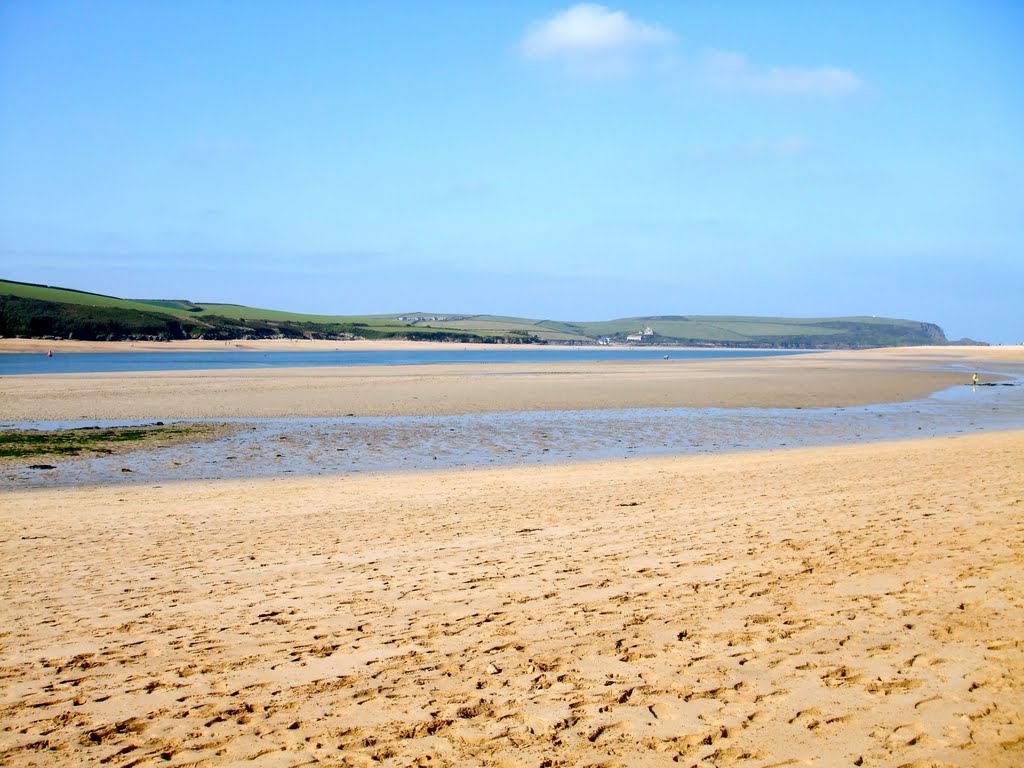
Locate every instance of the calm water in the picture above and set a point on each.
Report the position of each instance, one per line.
(107, 362)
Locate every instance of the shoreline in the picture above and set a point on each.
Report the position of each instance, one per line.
(276, 345)
(262, 345)
(231, 452)
(827, 379)
(42, 346)
(858, 601)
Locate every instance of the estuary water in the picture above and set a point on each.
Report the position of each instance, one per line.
(118, 362)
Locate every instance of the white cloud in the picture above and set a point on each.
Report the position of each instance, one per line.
(590, 39)
(727, 69)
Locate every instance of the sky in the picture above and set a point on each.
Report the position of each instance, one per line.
(537, 159)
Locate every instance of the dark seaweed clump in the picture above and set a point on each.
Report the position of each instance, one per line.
(20, 443)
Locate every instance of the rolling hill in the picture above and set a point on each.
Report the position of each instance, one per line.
(39, 311)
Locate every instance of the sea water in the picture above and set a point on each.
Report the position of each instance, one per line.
(12, 364)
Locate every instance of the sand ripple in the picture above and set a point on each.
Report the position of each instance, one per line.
(852, 606)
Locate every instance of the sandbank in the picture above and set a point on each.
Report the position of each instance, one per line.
(826, 379)
(859, 605)
(42, 346)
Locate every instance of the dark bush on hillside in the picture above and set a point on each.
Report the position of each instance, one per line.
(35, 318)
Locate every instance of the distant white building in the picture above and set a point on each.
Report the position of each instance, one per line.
(639, 335)
(425, 319)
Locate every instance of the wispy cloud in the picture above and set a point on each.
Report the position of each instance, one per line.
(591, 40)
(731, 70)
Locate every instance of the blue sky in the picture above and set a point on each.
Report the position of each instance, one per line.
(566, 161)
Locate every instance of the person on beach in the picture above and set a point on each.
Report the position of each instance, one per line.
(974, 380)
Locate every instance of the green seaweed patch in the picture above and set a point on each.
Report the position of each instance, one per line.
(96, 441)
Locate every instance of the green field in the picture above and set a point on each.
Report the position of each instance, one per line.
(45, 311)
(70, 296)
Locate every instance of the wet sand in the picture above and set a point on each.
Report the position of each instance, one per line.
(858, 605)
(344, 446)
(42, 346)
(828, 379)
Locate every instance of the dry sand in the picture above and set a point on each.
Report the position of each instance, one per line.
(859, 605)
(844, 606)
(817, 380)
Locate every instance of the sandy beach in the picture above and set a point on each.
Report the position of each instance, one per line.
(850, 605)
(42, 346)
(823, 379)
(72, 346)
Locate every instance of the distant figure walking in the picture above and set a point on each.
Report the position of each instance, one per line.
(49, 353)
(974, 380)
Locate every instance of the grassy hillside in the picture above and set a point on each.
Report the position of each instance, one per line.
(484, 324)
(767, 331)
(39, 311)
(44, 311)
(71, 296)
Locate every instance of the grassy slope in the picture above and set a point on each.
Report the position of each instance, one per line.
(497, 324)
(67, 296)
(704, 329)
(729, 329)
(180, 308)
